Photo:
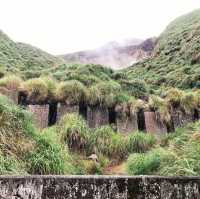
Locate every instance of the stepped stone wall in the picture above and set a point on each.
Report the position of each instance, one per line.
(40, 115)
(99, 187)
(127, 124)
(63, 109)
(11, 94)
(97, 116)
(154, 124)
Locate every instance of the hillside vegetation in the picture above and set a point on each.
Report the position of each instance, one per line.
(20, 58)
(176, 57)
(64, 148)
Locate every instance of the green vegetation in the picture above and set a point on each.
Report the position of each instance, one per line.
(35, 89)
(178, 156)
(11, 82)
(168, 80)
(49, 156)
(104, 93)
(71, 92)
(24, 150)
(74, 132)
(175, 61)
(24, 59)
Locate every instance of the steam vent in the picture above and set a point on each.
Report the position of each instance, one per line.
(103, 187)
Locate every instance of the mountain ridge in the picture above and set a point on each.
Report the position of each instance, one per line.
(114, 54)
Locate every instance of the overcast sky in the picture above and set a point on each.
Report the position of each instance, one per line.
(62, 26)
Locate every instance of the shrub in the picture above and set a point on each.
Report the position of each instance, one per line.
(189, 101)
(71, 92)
(135, 87)
(51, 86)
(173, 96)
(16, 129)
(107, 142)
(137, 105)
(122, 98)
(160, 105)
(104, 93)
(36, 90)
(49, 156)
(74, 132)
(139, 142)
(145, 164)
(11, 166)
(11, 82)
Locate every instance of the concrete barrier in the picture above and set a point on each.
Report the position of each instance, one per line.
(99, 187)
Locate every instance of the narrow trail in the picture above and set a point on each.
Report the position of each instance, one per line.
(115, 170)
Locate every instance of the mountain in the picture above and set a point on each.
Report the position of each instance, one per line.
(175, 61)
(114, 54)
(23, 57)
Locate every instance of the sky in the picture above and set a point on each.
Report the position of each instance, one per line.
(64, 26)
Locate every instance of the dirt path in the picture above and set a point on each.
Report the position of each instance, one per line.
(115, 170)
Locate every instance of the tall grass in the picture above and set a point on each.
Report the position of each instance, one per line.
(36, 90)
(139, 142)
(71, 92)
(11, 82)
(104, 93)
(109, 143)
(147, 163)
(50, 156)
(74, 132)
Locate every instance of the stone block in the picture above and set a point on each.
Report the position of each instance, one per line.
(154, 124)
(63, 109)
(11, 94)
(127, 124)
(40, 115)
(97, 116)
(99, 187)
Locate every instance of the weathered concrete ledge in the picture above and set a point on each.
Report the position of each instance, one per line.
(99, 187)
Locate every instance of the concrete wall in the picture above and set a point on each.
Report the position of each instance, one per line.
(99, 187)
(127, 124)
(154, 124)
(40, 115)
(11, 94)
(63, 109)
(179, 118)
(97, 116)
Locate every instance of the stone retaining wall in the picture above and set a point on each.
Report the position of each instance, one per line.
(97, 116)
(11, 94)
(99, 187)
(154, 124)
(63, 109)
(127, 124)
(40, 115)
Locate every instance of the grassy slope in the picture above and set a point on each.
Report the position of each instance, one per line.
(176, 58)
(16, 57)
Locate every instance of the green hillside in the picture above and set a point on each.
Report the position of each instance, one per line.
(19, 57)
(176, 58)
